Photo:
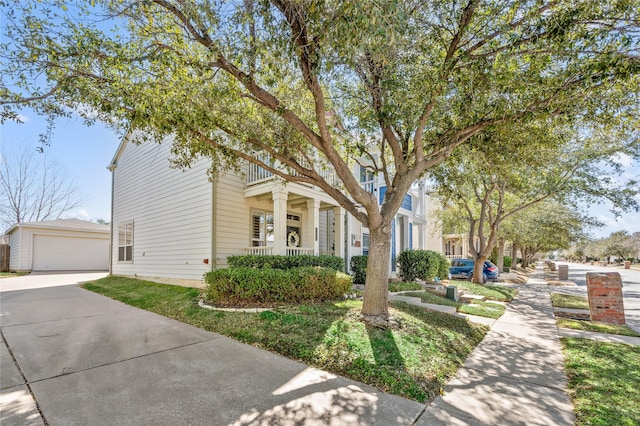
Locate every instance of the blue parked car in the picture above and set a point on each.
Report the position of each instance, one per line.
(462, 269)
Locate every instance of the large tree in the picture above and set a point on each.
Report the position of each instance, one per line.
(488, 181)
(34, 188)
(320, 84)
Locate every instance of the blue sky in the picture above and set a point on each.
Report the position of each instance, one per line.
(85, 152)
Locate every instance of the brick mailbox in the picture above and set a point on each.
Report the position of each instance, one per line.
(563, 272)
(605, 297)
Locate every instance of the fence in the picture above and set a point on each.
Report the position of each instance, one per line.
(4, 257)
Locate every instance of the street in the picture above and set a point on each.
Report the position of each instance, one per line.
(630, 287)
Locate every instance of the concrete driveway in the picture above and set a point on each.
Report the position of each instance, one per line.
(72, 357)
(41, 280)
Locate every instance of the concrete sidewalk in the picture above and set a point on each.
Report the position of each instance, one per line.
(515, 376)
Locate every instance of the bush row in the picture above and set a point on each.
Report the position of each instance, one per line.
(422, 264)
(242, 286)
(359, 268)
(286, 262)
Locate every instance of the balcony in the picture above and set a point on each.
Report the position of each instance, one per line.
(257, 174)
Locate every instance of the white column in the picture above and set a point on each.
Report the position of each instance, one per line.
(279, 195)
(313, 225)
(338, 217)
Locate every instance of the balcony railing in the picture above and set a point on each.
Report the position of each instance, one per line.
(256, 174)
(454, 256)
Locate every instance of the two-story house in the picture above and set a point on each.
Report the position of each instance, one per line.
(172, 225)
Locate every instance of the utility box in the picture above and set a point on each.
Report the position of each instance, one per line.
(452, 293)
(563, 272)
(605, 297)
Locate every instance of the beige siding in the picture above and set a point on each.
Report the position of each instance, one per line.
(232, 218)
(19, 257)
(171, 213)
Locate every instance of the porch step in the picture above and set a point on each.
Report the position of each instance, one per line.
(469, 298)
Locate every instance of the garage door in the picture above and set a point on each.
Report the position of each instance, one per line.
(55, 253)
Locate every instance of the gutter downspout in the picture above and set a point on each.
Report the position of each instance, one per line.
(214, 233)
(112, 168)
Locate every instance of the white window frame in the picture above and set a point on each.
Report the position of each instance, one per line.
(265, 237)
(125, 242)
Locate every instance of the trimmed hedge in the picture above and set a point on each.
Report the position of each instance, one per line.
(422, 264)
(248, 286)
(359, 268)
(286, 262)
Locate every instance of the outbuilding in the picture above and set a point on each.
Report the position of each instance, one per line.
(59, 245)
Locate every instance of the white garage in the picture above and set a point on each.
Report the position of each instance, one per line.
(59, 245)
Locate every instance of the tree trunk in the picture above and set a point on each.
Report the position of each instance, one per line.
(514, 254)
(375, 306)
(478, 268)
(500, 258)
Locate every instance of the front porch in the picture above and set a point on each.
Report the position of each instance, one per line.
(290, 219)
(455, 246)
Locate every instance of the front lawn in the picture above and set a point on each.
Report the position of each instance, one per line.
(604, 381)
(559, 300)
(413, 359)
(479, 308)
(598, 327)
(491, 292)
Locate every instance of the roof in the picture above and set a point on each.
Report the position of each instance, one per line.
(70, 224)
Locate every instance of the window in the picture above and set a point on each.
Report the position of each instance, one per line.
(125, 242)
(367, 179)
(365, 244)
(261, 229)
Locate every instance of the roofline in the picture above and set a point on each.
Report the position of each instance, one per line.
(114, 162)
(40, 225)
(10, 230)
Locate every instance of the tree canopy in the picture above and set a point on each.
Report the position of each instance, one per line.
(321, 84)
(506, 170)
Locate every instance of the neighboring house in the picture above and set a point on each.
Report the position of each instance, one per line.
(456, 246)
(172, 225)
(59, 245)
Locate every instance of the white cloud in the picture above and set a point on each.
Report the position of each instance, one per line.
(80, 213)
(623, 159)
(23, 118)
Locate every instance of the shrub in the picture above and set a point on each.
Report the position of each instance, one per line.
(422, 264)
(243, 286)
(506, 261)
(359, 268)
(286, 262)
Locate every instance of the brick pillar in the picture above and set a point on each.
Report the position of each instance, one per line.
(563, 272)
(605, 297)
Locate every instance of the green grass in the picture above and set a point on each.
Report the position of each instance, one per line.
(12, 274)
(413, 359)
(479, 308)
(482, 309)
(598, 327)
(604, 381)
(491, 292)
(560, 300)
(404, 286)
